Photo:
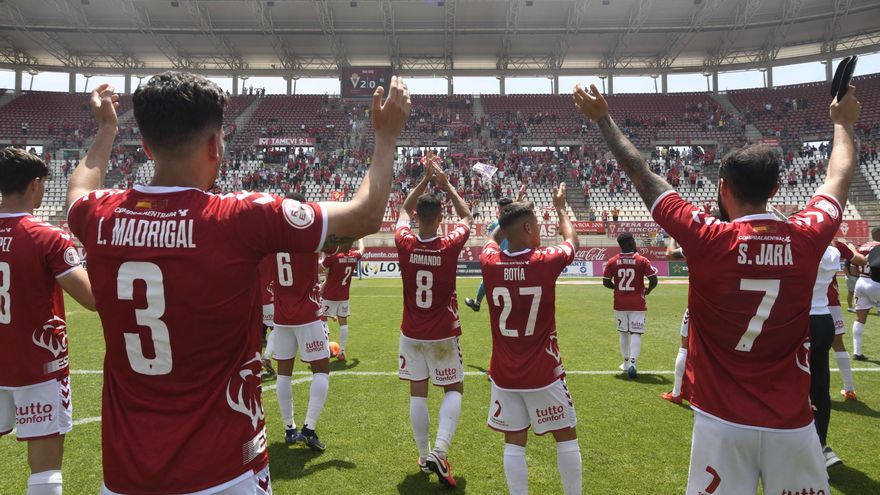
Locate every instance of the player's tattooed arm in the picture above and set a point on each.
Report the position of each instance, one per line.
(652, 284)
(608, 283)
(649, 185)
(593, 105)
(334, 241)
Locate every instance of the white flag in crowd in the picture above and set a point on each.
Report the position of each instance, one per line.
(486, 170)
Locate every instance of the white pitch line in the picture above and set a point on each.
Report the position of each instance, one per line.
(476, 373)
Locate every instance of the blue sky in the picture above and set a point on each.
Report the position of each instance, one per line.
(782, 75)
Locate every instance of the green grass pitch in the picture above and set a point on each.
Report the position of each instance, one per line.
(632, 441)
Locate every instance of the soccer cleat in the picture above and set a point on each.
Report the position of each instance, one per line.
(423, 466)
(675, 399)
(831, 458)
(848, 395)
(860, 357)
(291, 435)
(474, 305)
(622, 366)
(850, 309)
(310, 438)
(267, 365)
(632, 371)
(441, 466)
(340, 356)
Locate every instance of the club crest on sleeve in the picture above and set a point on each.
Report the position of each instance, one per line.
(827, 207)
(71, 256)
(297, 214)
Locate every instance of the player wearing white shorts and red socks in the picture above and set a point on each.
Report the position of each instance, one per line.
(175, 275)
(341, 268)
(299, 329)
(429, 346)
(867, 295)
(852, 257)
(625, 274)
(528, 379)
(36, 261)
(750, 293)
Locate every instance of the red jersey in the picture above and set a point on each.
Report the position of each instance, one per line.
(175, 276)
(267, 280)
(748, 348)
(428, 268)
(628, 271)
(341, 267)
(521, 290)
(297, 295)
(865, 249)
(833, 292)
(33, 334)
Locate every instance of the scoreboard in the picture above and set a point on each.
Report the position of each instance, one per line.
(361, 82)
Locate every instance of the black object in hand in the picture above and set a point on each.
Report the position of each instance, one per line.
(843, 76)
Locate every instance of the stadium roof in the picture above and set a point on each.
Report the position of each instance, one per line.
(421, 37)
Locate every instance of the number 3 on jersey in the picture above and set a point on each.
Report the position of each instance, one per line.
(149, 317)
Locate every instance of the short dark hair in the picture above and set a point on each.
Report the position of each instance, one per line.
(428, 207)
(627, 242)
(515, 211)
(18, 168)
(504, 202)
(173, 107)
(296, 196)
(751, 173)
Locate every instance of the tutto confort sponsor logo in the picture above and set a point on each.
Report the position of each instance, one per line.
(315, 346)
(445, 373)
(550, 414)
(35, 412)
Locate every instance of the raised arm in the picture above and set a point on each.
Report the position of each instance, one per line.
(461, 208)
(842, 164)
(89, 174)
(521, 194)
(649, 185)
(673, 251)
(566, 229)
(409, 204)
(363, 214)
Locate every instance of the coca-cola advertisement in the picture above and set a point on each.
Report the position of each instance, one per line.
(605, 253)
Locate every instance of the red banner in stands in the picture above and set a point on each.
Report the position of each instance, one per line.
(774, 142)
(854, 229)
(634, 228)
(589, 227)
(292, 141)
(478, 230)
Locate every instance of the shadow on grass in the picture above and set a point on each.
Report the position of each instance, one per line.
(289, 462)
(336, 365)
(644, 378)
(419, 483)
(478, 368)
(849, 480)
(855, 407)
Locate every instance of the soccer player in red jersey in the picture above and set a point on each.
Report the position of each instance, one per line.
(751, 281)
(625, 274)
(341, 268)
(299, 329)
(867, 295)
(429, 346)
(528, 379)
(35, 259)
(175, 275)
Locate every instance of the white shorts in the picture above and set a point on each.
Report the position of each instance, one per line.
(630, 321)
(729, 460)
(545, 410)
(441, 359)
(310, 341)
(867, 294)
(268, 314)
(684, 322)
(47, 408)
(258, 483)
(839, 323)
(339, 309)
